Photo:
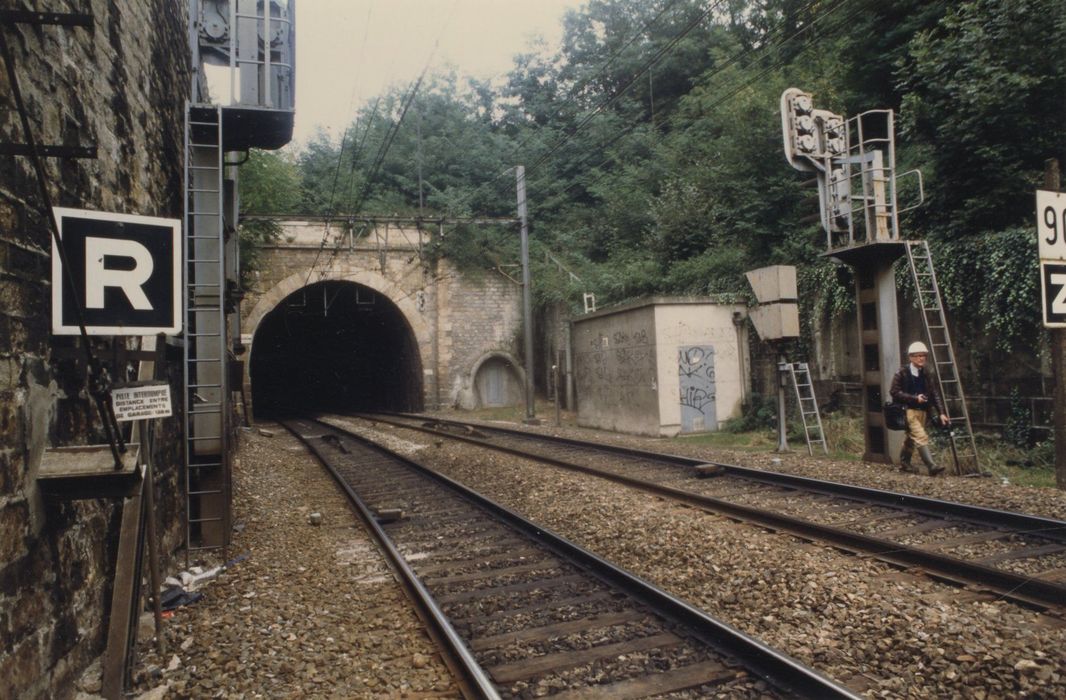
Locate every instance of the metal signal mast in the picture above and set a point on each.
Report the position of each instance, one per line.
(854, 161)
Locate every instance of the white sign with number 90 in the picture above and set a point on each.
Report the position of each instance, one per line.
(1051, 224)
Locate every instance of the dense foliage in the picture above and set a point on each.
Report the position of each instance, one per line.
(653, 151)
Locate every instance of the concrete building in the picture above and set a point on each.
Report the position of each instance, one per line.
(661, 366)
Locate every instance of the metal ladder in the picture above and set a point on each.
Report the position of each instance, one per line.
(800, 374)
(941, 352)
(207, 473)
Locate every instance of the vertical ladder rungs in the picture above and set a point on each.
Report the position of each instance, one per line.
(800, 374)
(942, 354)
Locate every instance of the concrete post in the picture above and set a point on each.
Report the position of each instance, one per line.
(782, 406)
(527, 311)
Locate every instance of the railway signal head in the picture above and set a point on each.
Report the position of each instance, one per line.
(798, 127)
(834, 134)
(817, 140)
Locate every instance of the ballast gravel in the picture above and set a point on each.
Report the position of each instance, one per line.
(879, 630)
(989, 491)
(313, 612)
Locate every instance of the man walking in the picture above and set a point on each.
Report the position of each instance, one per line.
(915, 389)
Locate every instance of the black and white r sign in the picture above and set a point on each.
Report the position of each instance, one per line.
(1053, 286)
(126, 270)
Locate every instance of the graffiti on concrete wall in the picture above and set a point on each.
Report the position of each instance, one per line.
(695, 367)
(615, 371)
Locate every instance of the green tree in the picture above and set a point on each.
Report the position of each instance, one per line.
(269, 183)
(986, 91)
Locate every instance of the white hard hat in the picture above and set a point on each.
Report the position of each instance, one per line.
(917, 347)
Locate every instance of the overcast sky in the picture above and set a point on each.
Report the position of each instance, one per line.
(336, 72)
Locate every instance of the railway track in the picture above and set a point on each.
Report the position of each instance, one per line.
(523, 612)
(1015, 556)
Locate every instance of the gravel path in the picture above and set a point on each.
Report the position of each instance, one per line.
(879, 630)
(312, 613)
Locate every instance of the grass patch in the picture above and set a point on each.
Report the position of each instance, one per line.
(1034, 466)
(843, 433)
(1023, 466)
(751, 441)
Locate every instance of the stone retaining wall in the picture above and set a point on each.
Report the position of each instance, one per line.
(120, 85)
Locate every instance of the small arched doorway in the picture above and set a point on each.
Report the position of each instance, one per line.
(497, 383)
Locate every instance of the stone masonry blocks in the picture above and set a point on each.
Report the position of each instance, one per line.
(122, 86)
(464, 314)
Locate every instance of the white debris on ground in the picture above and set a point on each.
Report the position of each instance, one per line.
(314, 611)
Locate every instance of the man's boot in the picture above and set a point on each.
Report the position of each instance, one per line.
(905, 459)
(927, 457)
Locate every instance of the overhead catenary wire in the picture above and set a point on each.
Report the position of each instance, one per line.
(386, 141)
(659, 55)
(601, 71)
(645, 68)
(572, 93)
(344, 136)
(658, 132)
(358, 150)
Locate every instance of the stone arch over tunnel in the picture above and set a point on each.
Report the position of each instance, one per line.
(335, 345)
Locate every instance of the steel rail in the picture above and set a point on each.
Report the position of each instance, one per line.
(777, 668)
(472, 678)
(1018, 588)
(1047, 528)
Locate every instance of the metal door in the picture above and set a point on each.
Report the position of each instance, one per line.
(494, 384)
(695, 367)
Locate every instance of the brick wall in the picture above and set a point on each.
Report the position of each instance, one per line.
(482, 314)
(120, 85)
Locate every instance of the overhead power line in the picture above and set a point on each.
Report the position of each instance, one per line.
(601, 71)
(611, 99)
(386, 144)
(745, 84)
(659, 55)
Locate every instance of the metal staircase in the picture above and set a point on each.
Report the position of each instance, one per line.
(207, 474)
(800, 374)
(942, 354)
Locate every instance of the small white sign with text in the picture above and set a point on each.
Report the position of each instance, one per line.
(142, 401)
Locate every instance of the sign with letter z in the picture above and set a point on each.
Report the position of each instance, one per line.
(125, 273)
(1053, 286)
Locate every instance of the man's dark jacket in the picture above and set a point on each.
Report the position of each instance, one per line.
(905, 390)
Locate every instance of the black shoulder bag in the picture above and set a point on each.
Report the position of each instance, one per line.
(895, 416)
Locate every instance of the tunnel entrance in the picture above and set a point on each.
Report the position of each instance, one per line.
(335, 346)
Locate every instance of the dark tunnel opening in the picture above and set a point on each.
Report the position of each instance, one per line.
(335, 346)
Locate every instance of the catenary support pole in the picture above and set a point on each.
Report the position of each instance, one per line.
(527, 313)
(1053, 181)
(557, 369)
(782, 406)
